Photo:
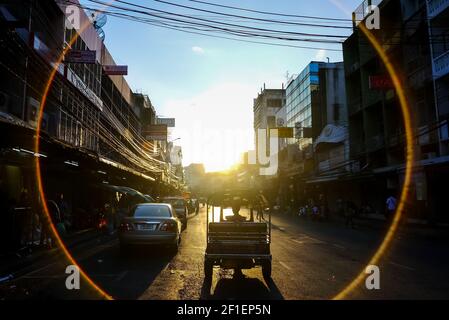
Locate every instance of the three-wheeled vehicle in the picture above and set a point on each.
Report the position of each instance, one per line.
(236, 239)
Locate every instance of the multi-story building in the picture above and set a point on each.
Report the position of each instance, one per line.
(90, 129)
(265, 107)
(300, 95)
(376, 130)
(316, 109)
(437, 175)
(438, 15)
(330, 121)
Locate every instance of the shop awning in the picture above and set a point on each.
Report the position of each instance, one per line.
(322, 179)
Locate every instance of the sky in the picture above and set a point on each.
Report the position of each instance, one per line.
(209, 84)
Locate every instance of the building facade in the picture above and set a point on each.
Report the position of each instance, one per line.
(376, 131)
(90, 130)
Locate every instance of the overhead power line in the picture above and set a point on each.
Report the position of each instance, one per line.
(269, 13)
(253, 18)
(243, 31)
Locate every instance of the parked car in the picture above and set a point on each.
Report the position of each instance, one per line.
(150, 224)
(180, 206)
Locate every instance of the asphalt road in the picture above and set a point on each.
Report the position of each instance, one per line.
(311, 260)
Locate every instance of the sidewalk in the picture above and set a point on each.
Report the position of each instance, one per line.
(12, 265)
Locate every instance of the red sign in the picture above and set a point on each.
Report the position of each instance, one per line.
(115, 70)
(380, 83)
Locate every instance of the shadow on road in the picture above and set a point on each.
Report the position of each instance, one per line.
(127, 276)
(241, 288)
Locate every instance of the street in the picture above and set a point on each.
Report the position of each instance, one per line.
(311, 260)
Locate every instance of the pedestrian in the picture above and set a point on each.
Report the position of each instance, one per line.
(54, 218)
(197, 206)
(390, 207)
(64, 209)
(315, 212)
(323, 206)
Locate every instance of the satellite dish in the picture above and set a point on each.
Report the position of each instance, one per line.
(101, 34)
(98, 20)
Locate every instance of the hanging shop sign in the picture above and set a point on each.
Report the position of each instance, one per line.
(81, 56)
(81, 86)
(170, 122)
(156, 132)
(115, 70)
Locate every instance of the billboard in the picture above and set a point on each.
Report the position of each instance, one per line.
(156, 132)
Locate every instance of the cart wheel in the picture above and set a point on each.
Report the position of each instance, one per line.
(208, 270)
(266, 270)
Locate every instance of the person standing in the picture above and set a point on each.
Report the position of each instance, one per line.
(391, 205)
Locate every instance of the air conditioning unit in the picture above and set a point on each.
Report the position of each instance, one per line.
(4, 102)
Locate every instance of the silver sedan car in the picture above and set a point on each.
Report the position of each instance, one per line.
(150, 224)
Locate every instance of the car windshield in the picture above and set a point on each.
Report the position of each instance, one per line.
(152, 211)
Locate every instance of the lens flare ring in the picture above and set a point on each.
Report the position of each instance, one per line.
(345, 292)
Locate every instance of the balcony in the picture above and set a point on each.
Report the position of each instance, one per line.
(435, 7)
(441, 64)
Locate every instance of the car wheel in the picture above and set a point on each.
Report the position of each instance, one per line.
(208, 270)
(266, 270)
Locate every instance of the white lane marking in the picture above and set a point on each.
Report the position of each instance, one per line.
(297, 241)
(338, 246)
(401, 266)
(284, 265)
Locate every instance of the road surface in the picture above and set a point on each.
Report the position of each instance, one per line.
(311, 260)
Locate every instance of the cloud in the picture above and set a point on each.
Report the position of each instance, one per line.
(320, 55)
(198, 50)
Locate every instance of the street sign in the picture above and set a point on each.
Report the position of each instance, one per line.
(115, 70)
(285, 132)
(170, 122)
(156, 132)
(307, 132)
(81, 56)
